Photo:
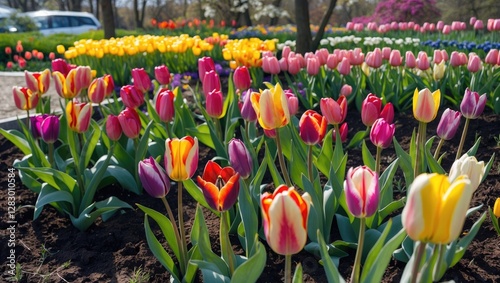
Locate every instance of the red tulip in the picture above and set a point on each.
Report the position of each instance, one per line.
(312, 127)
(220, 186)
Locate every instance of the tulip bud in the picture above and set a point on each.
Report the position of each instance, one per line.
(344, 67)
(448, 125)
(241, 78)
(293, 65)
(162, 74)
(38, 82)
(131, 96)
(346, 90)
(312, 127)
(374, 58)
(24, 98)
(130, 122)
(344, 129)
(284, 217)
(313, 66)
(246, 109)
(381, 133)
(492, 57)
(455, 60)
(332, 61)
(410, 60)
(395, 59)
(205, 64)
(292, 101)
(423, 61)
(370, 109)
(426, 104)
(470, 167)
(113, 128)
(472, 104)
(141, 80)
(474, 63)
(334, 111)
(271, 65)
(240, 158)
(36, 122)
(49, 129)
(164, 105)
(362, 191)
(211, 82)
(153, 178)
(215, 104)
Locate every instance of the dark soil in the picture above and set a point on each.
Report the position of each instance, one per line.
(51, 249)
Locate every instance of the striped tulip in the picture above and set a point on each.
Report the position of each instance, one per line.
(284, 217)
(271, 107)
(220, 186)
(426, 104)
(78, 116)
(24, 98)
(153, 178)
(472, 104)
(362, 191)
(431, 195)
(65, 86)
(97, 90)
(181, 157)
(38, 82)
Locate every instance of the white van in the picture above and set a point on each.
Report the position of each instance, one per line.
(50, 22)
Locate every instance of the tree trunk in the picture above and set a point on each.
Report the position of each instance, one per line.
(324, 22)
(108, 19)
(304, 39)
(274, 21)
(143, 13)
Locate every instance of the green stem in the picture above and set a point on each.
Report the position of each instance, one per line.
(357, 261)
(169, 130)
(438, 148)
(51, 154)
(437, 268)
(377, 160)
(247, 129)
(309, 163)
(182, 252)
(77, 164)
(218, 129)
(421, 136)
(28, 119)
(416, 264)
(462, 139)
(180, 215)
(225, 243)
(288, 268)
(282, 160)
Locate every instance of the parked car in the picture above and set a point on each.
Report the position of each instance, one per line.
(50, 22)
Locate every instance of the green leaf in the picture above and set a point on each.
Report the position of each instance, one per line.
(298, 274)
(123, 177)
(277, 179)
(324, 160)
(142, 147)
(386, 183)
(165, 225)
(159, 252)
(346, 228)
(104, 208)
(18, 139)
(48, 195)
(90, 144)
(465, 241)
(202, 132)
(330, 269)
(405, 162)
(250, 270)
(356, 139)
(91, 185)
(433, 164)
(368, 159)
(248, 216)
(57, 179)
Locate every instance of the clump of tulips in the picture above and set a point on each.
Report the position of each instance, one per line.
(151, 124)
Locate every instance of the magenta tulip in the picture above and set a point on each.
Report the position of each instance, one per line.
(448, 125)
(153, 178)
(362, 191)
(381, 133)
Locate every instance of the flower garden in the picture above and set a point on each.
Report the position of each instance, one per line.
(227, 159)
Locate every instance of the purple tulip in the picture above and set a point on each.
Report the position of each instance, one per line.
(448, 125)
(472, 104)
(153, 178)
(240, 158)
(49, 129)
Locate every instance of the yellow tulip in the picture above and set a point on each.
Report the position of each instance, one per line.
(438, 71)
(426, 104)
(181, 158)
(496, 208)
(435, 209)
(271, 107)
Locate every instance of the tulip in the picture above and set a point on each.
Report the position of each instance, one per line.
(470, 167)
(438, 71)
(374, 58)
(381, 133)
(65, 86)
(153, 178)
(432, 195)
(312, 127)
(455, 59)
(362, 191)
(438, 56)
(205, 64)
(386, 53)
(496, 208)
(164, 105)
(240, 158)
(24, 98)
(370, 109)
(162, 75)
(335, 112)
(220, 186)
(241, 78)
(292, 101)
(181, 157)
(423, 61)
(284, 217)
(332, 61)
(472, 104)
(346, 90)
(215, 104)
(271, 65)
(78, 116)
(83, 78)
(313, 65)
(271, 107)
(410, 60)
(356, 56)
(113, 128)
(110, 84)
(395, 59)
(270, 133)
(474, 63)
(211, 82)
(36, 122)
(344, 67)
(246, 109)
(49, 129)
(130, 122)
(38, 82)
(131, 96)
(97, 90)
(426, 104)
(141, 79)
(492, 57)
(293, 64)
(322, 55)
(448, 125)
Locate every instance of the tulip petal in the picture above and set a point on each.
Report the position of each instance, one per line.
(210, 192)
(229, 193)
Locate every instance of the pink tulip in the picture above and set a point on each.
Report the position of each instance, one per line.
(344, 129)
(313, 66)
(312, 127)
(215, 104)
(423, 61)
(362, 191)
(292, 102)
(164, 105)
(344, 67)
(448, 125)
(455, 60)
(335, 112)
(479, 25)
(332, 61)
(438, 56)
(374, 58)
(356, 56)
(346, 90)
(492, 57)
(131, 96)
(211, 82)
(241, 78)
(370, 109)
(293, 65)
(322, 55)
(205, 64)
(474, 64)
(446, 29)
(395, 59)
(472, 105)
(381, 133)
(271, 65)
(130, 122)
(113, 128)
(162, 74)
(410, 60)
(285, 52)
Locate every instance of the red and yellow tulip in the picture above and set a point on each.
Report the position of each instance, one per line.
(271, 107)
(24, 98)
(181, 157)
(78, 116)
(220, 186)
